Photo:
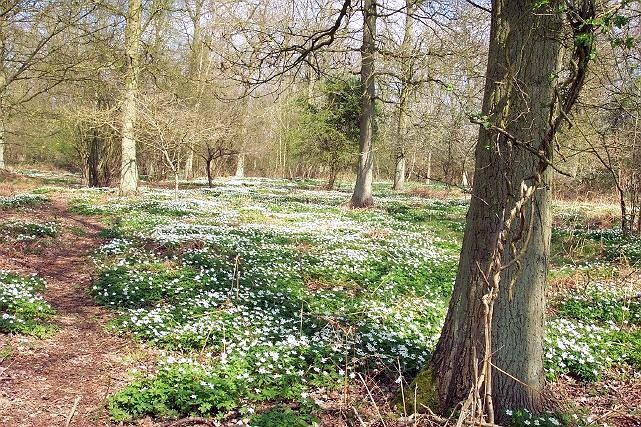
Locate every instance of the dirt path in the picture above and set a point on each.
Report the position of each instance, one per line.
(43, 381)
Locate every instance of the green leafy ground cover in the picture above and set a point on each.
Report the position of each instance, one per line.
(21, 200)
(263, 294)
(22, 308)
(24, 230)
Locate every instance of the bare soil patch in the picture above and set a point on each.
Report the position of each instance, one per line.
(42, 382)
(12, 183)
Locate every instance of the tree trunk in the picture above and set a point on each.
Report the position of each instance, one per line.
(362, 196)
(3, 117)
(410, 173)
(151, 169)
(197, 73)
(331, 182)
(93, 159)
(519, 98)
(428, 178)
(311, 86)
(85, 180)
(129, 167)
(95, 144)
(399, 170)
(240, 165)
(406, 80)
(3, 89)
(209, 177)
(625, 226)
(2, 141)
(189, 165)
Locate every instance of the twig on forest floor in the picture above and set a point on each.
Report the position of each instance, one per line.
(73, 410)
(400, 374)
(358, 416)
(190, 421)
(369, 393)
(446, 421)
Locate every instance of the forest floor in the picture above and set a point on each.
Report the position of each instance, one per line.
(64, 378)
(266, 303)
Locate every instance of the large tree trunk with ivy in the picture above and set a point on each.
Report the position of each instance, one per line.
(518, 105)
(406, 80)
(362, 196)
(129, 167)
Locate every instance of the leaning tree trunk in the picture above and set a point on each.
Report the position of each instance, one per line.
(362, 196)
(129, 167)
(519, 99)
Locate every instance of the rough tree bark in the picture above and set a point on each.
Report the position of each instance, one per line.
(362, 196)
(2, 136)
(519, 98)
(210, 178)
(406, 77)
(3, 86)
(129, 167)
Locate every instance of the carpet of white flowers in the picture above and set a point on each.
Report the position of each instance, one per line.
(25, 231)
(264, 291)
(21, 200)
(22, 307)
